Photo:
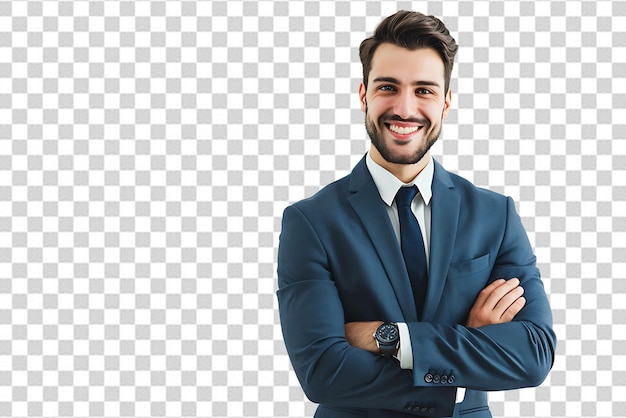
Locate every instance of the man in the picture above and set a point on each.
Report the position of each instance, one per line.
(398, 300)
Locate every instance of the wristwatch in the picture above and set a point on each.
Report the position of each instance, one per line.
(387, 338)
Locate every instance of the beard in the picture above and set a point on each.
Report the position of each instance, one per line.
(378, 139)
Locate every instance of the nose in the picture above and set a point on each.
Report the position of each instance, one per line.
(406, 104)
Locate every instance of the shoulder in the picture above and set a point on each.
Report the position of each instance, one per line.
(334, 197)
(328, 198)
(473, 199)
(466, 187)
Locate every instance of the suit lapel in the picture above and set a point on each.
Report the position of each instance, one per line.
(370, 208)
(446, 204)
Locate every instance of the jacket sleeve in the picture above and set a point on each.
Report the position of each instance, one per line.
(495, 357)
(312, 318)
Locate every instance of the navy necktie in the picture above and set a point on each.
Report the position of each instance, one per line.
(412, 246)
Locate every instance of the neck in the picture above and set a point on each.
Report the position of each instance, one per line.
(403, 172)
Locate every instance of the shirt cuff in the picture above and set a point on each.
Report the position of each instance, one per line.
(405, 352)
(460, 395)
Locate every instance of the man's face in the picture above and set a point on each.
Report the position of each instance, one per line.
(405, 103)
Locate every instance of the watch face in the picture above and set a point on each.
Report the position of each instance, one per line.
(387, 333)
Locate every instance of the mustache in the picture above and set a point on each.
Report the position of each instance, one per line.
(395, 118)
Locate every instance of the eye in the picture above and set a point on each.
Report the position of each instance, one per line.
(386, 87)
(423, 91)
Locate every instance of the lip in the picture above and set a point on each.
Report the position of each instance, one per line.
(403, 137)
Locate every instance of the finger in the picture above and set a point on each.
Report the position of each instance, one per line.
(499, 292)
(508, 299)
(487, 291)
(514, 309)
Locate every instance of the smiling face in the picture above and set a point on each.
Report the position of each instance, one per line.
(404, 104)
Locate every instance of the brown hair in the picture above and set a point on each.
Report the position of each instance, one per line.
(411, 30)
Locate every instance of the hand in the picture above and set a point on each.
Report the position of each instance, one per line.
(497, 303)
(361, 335)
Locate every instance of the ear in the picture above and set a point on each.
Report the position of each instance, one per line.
(446, 105)
(362, 99)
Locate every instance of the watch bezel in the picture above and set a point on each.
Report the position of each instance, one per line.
(387, 346)
(381, 336)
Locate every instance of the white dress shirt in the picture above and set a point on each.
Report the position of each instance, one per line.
(388, 185)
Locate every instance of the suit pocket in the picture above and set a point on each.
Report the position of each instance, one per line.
(468, 267)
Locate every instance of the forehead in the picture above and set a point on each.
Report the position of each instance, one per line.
(406, 65)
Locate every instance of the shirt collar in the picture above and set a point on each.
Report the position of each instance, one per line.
(388, 184)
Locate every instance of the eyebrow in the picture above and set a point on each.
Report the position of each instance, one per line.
(396, 81)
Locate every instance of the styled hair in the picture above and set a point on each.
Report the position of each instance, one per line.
(411, 30)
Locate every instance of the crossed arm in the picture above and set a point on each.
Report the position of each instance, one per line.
(501, 346)
(497, 303)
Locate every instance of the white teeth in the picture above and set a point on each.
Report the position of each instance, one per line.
(403, 131)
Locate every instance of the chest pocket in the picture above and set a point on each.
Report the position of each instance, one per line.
(468, 267)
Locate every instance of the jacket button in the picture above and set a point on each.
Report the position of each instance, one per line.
(428, 378)
(444, 379)
(436, 378)
(451, 379)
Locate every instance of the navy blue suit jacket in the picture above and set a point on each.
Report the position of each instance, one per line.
(339, 261)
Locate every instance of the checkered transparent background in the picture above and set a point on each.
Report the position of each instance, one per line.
(148, 149)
